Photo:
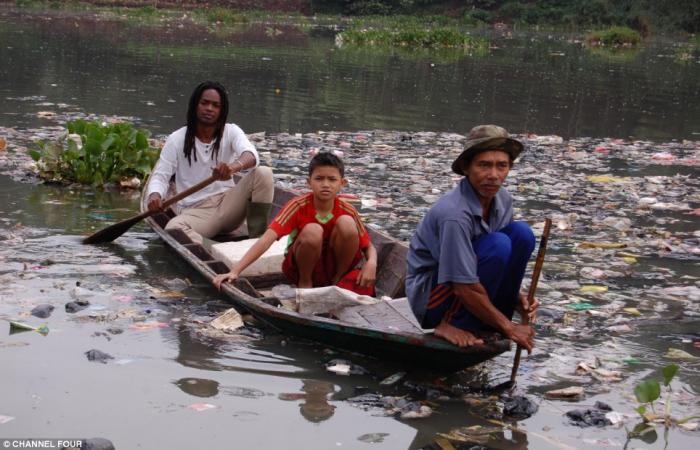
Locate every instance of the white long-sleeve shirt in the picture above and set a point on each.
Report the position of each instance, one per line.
(172, 161)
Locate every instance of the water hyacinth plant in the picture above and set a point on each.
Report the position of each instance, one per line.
(410, 37)
(96, 154)
(647, 393)
(614, 37)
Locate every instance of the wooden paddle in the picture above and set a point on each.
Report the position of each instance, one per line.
(114, 231)
(539, 262)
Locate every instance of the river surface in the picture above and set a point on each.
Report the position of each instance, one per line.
(173, 384)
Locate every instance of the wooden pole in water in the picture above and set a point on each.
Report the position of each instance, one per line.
(539, 262)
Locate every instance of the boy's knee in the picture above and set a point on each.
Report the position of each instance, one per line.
(345, 226)
(311, 234)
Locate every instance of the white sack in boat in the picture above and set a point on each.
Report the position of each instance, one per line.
(324, 300)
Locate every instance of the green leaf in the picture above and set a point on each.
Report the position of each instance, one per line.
(647, 391)
(35, 155)
(641, 409)
(669, 372)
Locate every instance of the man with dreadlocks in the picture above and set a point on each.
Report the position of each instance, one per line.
(209, 145)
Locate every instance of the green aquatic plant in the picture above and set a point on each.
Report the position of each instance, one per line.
(614, 37)
(96, 153)
(647, 393)
(221, 15)
(410, 37)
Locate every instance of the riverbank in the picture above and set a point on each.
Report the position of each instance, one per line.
(647, 19)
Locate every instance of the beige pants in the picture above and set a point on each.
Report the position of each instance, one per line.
(226, 211)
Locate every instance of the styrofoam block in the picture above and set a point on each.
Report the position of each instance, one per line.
(232, 252)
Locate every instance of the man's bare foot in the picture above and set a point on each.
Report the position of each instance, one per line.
(457, 336)
(305, 285)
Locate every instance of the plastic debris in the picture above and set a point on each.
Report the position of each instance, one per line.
(98, 356)
(199, 407)
(676, 353)
(344, 367)
(519, 407)
(588, 417)
(19, 327)
(230, 320)
(5, 419)
(147, 326)
(78, 305)
(42, 311)
(392, 379)
(373, 438)
(569, 393)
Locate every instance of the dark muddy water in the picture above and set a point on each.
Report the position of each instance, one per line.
(173, 384)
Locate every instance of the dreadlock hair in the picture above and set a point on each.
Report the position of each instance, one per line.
(192, 118)
(326, 159)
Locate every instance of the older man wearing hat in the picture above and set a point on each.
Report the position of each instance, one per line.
(467, 258)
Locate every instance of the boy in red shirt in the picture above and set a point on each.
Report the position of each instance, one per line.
(326, 236)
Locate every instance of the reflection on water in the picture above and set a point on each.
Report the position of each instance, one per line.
(299, 82)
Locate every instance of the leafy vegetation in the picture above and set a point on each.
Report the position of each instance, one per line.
(647, 393)
(96, 154)
(410, 37)
(614, 37)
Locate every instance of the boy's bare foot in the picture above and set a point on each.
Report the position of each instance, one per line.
(457, 336)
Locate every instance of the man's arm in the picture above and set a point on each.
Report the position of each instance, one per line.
(476, 300)
(164, 169)
(225, 171)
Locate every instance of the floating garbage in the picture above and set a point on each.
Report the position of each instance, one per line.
(98, 356)
(569, 393)
(392, 379)
(42, 311)
(229, 321)
(519, 407)
(373, 438)
(19, 327)
(676, 353)
(199, 407)
(344, 367)
(5, 419)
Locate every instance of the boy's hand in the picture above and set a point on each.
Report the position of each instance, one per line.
(221, 278)
(368, 274)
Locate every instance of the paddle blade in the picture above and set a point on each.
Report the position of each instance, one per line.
(113, 231)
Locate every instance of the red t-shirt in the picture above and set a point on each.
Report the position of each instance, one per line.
(300, 211)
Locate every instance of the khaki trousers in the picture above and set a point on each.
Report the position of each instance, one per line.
(226, 211)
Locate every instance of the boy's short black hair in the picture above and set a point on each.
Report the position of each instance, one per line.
(326, 159)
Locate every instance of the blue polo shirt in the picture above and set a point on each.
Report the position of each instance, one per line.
(441, 250)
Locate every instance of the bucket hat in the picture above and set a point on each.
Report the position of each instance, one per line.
(486, 137)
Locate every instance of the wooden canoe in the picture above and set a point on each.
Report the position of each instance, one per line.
(376, 330)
